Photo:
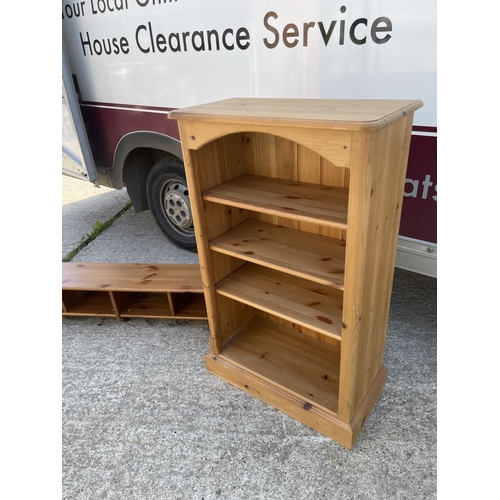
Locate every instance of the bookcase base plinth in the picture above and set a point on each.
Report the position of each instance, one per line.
(317, 417)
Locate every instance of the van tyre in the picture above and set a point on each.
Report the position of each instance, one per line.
(168, 199)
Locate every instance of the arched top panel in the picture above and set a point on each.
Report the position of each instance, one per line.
(336, 149)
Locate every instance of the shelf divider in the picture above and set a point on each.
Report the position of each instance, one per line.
(306, 255)
(325, 205)
(297, 300)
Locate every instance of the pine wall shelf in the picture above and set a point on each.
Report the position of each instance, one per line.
(125, 291)
(297, 205)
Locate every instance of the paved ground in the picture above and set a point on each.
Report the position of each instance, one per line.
(143, 419)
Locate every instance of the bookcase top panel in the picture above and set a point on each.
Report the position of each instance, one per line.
(342, 114)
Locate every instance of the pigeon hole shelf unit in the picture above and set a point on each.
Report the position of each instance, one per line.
(297, 205)
(124, 291)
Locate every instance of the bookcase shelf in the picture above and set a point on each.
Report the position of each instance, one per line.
(306, 255)
(296, 206)
(326, 205)
(295, 362)
(288, 297)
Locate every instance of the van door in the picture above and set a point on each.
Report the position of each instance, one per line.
(77, 155)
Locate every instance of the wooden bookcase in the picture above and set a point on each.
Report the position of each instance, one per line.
(297, 205)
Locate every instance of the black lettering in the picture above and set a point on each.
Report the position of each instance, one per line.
(124, 45)
(108, 48)
(121, 4)
(377, 28)
(86, 42)
(342, 26)
(141, 28)
(289, 31)
(107, 45)
(76, 9)
(228, 47)
(161, 43)
(116, 49)
(242, 35)
(326, 36)
(209, 35)
(352, 34)
(271, 45)
(198, 34)
(177, 46)
(142, 4)
(97, 47)
(185, 34)
(307, 26)
(151, 37)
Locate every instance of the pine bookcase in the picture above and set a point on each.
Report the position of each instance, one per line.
(297, 205)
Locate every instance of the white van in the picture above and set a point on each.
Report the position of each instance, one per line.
(127, 63)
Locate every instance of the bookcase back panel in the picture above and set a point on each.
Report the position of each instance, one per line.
(300, 328)
(272, 156)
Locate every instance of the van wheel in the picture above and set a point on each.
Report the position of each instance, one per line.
(168, 199)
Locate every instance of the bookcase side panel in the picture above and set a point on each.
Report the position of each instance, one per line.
(233, 315)
(355, 265)
(376, 192)
(220, 161)
(206, 168)
(385, 215)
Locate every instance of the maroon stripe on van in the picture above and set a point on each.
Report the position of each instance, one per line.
(107, 125)
(419, 211)
(420, 128)
(129, 106)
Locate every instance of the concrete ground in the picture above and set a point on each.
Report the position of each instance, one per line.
(143, 419)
